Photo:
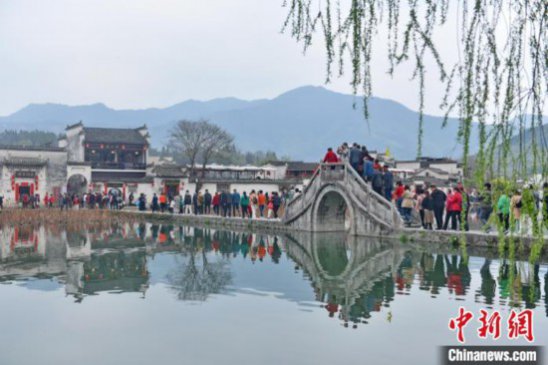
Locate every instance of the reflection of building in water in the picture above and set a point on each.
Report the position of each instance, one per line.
(24, 252)
(123, 271)
(72, 258)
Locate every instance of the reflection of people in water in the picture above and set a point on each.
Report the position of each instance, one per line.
(504, 288)
(142, 231)
(488, 284)
(261, 249)
(244, 246)
(439, 279)
(154, 231)
(275, 252)
(427, 271)
(531, 287)
(332, 305)
(458, 275)
(406, 272)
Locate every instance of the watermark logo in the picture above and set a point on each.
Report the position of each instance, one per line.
(519, 324)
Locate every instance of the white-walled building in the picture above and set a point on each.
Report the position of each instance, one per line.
(117, 161)
(31, 171)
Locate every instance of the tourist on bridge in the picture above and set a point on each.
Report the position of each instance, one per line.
(419, 195)
(235, 203)
(485, 205)
(207, 202)
(354, 156)
(438, 202)
(200, 203)
(466, 205)
(454, 208)
(407, 204)
(244, 203)
(388, 180)
(142, 202)
(427, 206)
(515, 204)
(330, 156)
(276, 203)
(342, 151)
(368, 169)
(195, 202)
(398, 195)
(377, 182)
(364, 154)
(503, 210)
(216, 202)
(253, 201)
(261, 201)
(163, 202)
(187, 201)
(155, 206)
(225, 203)
(180, 205)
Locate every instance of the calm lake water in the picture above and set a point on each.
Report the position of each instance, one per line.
(164, 294)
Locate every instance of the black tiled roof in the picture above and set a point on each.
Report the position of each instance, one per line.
(301, 166)
(120, 176)
(168, 171)
(32, 148)
(113, 135)
(24, 161)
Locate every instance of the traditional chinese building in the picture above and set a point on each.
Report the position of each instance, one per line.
(30, 171)
(107, 160)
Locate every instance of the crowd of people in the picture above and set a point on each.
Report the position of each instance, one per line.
(438, 208)
(256, 204)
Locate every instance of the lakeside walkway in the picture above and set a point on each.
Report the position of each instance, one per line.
(274, 225)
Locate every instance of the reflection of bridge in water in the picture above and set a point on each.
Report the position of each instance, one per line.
(347, 272)
(352, 276)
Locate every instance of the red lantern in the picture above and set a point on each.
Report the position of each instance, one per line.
(36, 179)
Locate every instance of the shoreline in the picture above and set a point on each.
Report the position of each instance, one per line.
(259, 225)
(263, 225)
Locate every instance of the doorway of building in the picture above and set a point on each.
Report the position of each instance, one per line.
(24, 190)
(172, 189)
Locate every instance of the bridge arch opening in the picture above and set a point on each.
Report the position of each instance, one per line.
(333, 213)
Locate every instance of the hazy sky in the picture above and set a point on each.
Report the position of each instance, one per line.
(154, 53)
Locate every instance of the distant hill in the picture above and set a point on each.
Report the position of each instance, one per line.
(27, 138)
(300, 123)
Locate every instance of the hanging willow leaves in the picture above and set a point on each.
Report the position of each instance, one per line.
(498, 84)
(499, 80)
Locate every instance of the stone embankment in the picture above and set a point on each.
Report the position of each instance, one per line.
(276, 226)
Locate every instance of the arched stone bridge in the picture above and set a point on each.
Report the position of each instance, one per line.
(338, 199)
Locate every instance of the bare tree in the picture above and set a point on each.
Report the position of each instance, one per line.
(199, 141)
(216, 142)
(187, 138)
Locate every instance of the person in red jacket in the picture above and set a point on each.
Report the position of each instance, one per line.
(330, 156)
(454, 208)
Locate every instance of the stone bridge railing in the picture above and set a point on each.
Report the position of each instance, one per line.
(365, 202)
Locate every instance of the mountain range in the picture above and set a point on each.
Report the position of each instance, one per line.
(300, 123)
